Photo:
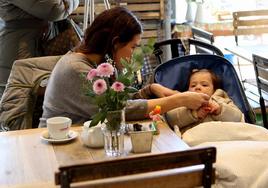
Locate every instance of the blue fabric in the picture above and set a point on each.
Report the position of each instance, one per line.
(147, 68)
(230, 57)
(174, 74)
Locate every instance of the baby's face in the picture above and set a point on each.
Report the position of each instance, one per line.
(201, 82)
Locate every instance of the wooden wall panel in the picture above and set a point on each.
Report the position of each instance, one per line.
(150, 12)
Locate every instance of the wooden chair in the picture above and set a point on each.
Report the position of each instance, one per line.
(188, 168)
(250, 23)
(202, 35)
(21, 103)
(261, 71)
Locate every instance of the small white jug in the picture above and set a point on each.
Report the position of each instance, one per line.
(92, 136)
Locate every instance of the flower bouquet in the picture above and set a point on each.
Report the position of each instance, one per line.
(110, 89)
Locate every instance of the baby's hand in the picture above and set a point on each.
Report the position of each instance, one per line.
(215, 108)
(202, 112)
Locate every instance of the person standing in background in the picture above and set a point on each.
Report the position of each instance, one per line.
(23, 23)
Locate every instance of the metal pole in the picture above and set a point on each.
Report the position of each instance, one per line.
(86, 6)
(91, 11)
(167, 29)
(107, 4)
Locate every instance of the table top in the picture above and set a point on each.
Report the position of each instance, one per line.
(246, 51)
(218, 28)
(28, 161)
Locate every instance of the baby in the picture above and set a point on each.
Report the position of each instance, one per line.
(219, 108)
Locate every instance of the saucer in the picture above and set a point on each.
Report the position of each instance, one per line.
(45, 136)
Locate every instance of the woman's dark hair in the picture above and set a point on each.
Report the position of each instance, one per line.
(216, 80)
(116, 25)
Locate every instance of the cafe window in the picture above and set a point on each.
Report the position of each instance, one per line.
(221, 9)
(224, 8)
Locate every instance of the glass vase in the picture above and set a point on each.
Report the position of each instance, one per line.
(113, 131)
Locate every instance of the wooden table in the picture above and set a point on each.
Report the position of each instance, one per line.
(28, 161)
(246, 51)
(216, 28)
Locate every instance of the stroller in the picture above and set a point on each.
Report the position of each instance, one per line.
(174, 74)
(182, 47)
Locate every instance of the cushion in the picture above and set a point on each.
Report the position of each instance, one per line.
(224, 131)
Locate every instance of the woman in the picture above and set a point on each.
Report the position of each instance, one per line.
(115, 32)
(22, 24)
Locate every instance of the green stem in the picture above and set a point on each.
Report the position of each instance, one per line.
(115, 142)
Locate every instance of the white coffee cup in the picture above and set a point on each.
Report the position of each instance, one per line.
(58, 127)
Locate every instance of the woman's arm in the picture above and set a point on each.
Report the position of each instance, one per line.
(161, 91)
(190, 100)
(140, 108)
(152, 90)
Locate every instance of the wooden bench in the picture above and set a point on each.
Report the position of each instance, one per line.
(253, 22)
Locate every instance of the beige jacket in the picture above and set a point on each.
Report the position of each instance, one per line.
(17, 106)
(185, 120)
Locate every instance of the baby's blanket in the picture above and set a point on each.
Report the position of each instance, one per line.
(242, 152)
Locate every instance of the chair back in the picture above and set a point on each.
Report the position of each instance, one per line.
(261, 71)
(202, 35)
(188, 168)
(174, 74)
(26, 83)
(253, 22)
(179, 47)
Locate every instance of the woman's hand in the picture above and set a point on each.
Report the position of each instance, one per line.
(193, 100)
(161, 91)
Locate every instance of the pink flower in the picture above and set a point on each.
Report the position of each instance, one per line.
(105, 70)
(91, 74)
(99, 86)
(155, 117)
(118, 86)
